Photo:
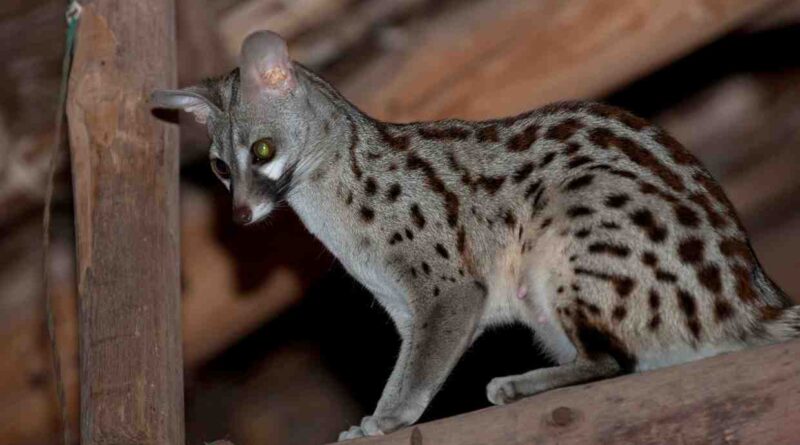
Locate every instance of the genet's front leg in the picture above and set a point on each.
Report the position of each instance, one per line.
(432, 342)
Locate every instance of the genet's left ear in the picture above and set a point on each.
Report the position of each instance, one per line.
(265, 65)
(192, 100)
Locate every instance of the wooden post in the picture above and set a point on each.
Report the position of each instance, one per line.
(125, 181)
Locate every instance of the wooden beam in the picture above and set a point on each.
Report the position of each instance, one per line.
(713, 401)
(125, 181)
(489, 59)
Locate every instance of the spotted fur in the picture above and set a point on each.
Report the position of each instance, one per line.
(592, 226)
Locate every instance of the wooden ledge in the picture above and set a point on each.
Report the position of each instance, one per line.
(748, 397)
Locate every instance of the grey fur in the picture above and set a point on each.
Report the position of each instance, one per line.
(455, 226)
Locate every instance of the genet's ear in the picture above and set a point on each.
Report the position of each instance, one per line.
(192, 100)
(265, 65)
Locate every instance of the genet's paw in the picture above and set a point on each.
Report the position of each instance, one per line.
(502, 390)
(369, 427)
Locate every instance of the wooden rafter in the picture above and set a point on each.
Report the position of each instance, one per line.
(718, 400)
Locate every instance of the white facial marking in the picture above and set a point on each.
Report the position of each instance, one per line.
(274, 169)
(261, 210)
(242, 157)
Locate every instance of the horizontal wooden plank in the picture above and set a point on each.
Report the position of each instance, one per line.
(497, 58)
(748, 397)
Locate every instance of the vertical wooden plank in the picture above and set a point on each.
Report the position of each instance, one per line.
(125, 181)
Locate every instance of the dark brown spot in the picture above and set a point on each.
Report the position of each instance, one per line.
(409, 234)
(639, 155)
(440, 249)
(509, 219)
(650, 189)
(722, 310)
(349, 198)
(523, 172)
(417, 217)
(533, 188)
(732, 248)
(609, 249)
(395, 238)
(546, 223)
(487, 134)
(617, 201)
(436, 291)
(649, 259)
(663, 275)
(444, 133)
(744, 284)
(710, 278)
(714, 218)
(619, 313)
(399, 142)
(370, 186)
(579, 182)
(491, 184)
(678, 153)
(610, 225)
(572, 148)
(623, 285)
(563, 130)
(578, 161)
(547, 159)
(598, 342)
(644, 219)
(426, 268)
(367, 214)
(686, 216)
(582, 233)
(654, 323)
(461, 241)
(691, 250)
(687, 304)
(538, 203)
(654, 300)
(523, 140)
(393, 192)
(579, 211)
(715, 190)
(608, 112)
(451, 202)
(623, 173)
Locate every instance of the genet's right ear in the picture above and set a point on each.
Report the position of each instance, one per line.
(191, 99)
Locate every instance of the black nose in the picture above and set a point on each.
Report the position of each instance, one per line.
(242, 215)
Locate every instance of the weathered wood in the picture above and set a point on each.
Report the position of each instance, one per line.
(286, 18)
(125, 181)
(747, 397)
(489, 59)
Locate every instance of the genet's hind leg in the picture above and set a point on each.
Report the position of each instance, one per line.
(502, 390)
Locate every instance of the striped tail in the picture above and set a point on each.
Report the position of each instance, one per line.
(785, 325)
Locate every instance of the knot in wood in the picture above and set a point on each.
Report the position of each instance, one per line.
(562, 416)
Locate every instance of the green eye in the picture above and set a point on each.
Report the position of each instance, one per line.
(262, 150)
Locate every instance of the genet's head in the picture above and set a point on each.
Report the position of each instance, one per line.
(258, 119)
